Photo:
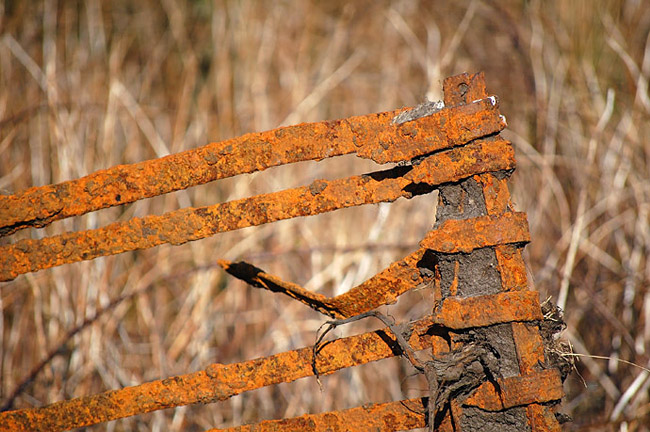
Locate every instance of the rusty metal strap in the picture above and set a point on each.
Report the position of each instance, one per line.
(385, 417)
(542, 387)
(217, 382)
(371, 136)
(465, 235)
(383, 288)
(539, 387)
(180, 226)
(487, 310)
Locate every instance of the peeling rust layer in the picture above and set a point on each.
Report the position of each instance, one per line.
(217, 381)
(383, 288)
(371, 136)
(385, 417)
(190, 224)
(544, 386)
(465, 235)
(487, 310)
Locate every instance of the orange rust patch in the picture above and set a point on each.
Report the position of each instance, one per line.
(544, 386)
(487, 310)
(510, 264)
(530, 347)
(496, 193)
(465, 235)
(385, 417)
(542, 419)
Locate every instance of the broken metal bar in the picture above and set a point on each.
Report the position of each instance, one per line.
(371, 136)
(180, 226)
(486, 310)
(219, 382)
(258, 278)
(402, 275)
(383, 288)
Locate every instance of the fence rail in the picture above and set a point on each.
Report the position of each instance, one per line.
(472, 257)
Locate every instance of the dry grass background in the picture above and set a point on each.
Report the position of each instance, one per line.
(88, 85)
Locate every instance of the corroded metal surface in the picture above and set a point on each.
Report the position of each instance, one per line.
(386, 417)
(409, 414)
(450, 149)
(465, 235)
(383, 288)
(544, 386)
(188, 224)
(371, 136)
(465, 88)
(487, 310)
(217, 381)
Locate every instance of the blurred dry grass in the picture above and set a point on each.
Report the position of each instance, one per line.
(88, 85)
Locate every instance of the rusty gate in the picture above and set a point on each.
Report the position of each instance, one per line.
(489, 355)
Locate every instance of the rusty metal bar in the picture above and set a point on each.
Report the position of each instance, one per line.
(509, 258)
(217, 381)
(453, 235)
(382, 288)
(540, 387)
(541, 418)
(465, 235)
(408, 414)
(385, 417)
(371, 136)
(180, 226)
(220, 382)
(487, 310)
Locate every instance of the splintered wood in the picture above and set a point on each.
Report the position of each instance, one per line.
(485, 320)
